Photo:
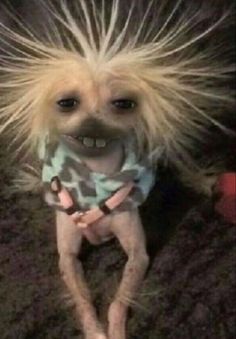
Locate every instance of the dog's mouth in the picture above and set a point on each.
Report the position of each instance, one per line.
(91, 146)
(91, 142)
(94, 138)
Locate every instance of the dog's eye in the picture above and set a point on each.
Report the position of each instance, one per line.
(67, 104)
(124, 104)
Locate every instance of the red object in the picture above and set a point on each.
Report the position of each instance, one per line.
(226, 205)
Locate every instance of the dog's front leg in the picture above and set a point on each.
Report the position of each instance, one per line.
(69, 240)
(128, 229)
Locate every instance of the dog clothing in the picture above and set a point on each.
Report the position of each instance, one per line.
(90, 189)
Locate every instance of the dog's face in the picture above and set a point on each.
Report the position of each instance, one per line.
(94, 108)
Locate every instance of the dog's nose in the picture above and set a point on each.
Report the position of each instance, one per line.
(95, 128)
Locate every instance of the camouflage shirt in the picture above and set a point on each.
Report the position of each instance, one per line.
(89, 188)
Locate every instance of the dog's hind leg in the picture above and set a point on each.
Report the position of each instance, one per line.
(69, 241)
(128, 229)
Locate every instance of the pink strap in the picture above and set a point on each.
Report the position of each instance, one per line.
(83, 219)
(96, 213)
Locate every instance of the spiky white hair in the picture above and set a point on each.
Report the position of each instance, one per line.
(172, 48)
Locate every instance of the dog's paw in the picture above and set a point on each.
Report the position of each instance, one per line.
(97, 336)
(101, 336)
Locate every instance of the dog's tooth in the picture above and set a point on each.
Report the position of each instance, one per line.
(88, 142)
(100, 143)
